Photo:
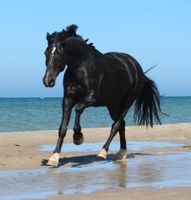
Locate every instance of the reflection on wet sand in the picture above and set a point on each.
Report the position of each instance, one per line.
(122, 174)
(148, 173)
(86, 174)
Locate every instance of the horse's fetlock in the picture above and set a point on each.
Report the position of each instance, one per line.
(77, 129)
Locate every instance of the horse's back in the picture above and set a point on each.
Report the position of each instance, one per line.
(130, 64)
(120, 74)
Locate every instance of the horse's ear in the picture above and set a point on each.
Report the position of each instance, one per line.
(49, 38)
(47, 35)
(72, 29)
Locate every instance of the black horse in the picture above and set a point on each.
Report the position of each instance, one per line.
(113, 79)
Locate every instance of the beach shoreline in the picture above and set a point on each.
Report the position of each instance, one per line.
(21, 151)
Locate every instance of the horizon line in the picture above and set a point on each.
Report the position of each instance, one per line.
(45, 97)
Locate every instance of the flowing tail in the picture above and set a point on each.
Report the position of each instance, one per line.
(147, 105)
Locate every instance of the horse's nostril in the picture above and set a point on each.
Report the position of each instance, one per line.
(51, 83)
(48, 82)
(44, 81)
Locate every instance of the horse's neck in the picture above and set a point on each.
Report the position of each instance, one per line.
(79, 67)
(78, 51)
(82, 58)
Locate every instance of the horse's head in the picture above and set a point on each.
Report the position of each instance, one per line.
(55, 63)
(55, 54)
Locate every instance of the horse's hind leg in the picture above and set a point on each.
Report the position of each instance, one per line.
(123, 144)
(118, 112)
(122, 153)
(113, 111)
(114, 130)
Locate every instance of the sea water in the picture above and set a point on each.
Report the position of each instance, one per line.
(30, 114)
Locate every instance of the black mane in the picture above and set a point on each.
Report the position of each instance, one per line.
(71, 29)
(64, 34)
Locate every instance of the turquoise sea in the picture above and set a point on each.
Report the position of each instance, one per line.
(26, 114)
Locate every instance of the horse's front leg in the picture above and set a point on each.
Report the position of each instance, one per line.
(87, 101)
(67, 106)
(78, 136)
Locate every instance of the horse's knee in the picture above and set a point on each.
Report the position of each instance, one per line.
(62, 132)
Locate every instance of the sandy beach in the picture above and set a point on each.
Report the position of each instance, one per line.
(21, 151)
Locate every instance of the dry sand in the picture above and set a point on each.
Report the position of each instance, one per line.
(21, 151)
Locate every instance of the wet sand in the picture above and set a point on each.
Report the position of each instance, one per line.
(133, 194)
(157, 167)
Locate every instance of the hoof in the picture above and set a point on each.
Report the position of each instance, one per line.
(122, 154)
(78, 139)
(102, 154)
(53, 160)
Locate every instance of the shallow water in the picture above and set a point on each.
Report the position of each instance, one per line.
(132, 145)
(142, 170)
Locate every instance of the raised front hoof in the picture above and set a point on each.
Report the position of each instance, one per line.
(78, 139)
(54, 160)
(102, 154)
(121, 154)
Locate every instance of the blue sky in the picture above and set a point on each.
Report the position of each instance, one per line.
(151, 31)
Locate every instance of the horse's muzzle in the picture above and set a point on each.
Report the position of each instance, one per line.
(48, 82)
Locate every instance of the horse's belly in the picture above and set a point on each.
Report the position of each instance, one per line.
(112, 93)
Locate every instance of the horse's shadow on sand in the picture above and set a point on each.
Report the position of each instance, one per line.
(78, 161)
